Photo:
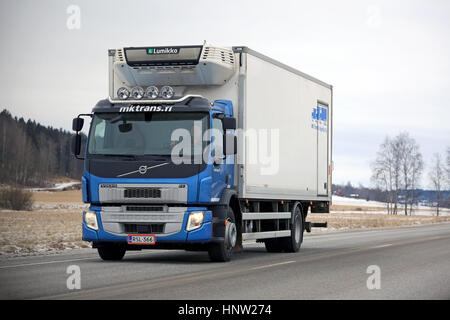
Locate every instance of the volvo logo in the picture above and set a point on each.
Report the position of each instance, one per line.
(142, 169)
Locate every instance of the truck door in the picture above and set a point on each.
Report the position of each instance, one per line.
(219, 174)
(322, 148)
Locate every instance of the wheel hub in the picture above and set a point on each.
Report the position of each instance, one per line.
(230, 234)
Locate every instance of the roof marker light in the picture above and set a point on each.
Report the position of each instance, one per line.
(152, 92)
(137, 93)
(123, 93)
(167, 92)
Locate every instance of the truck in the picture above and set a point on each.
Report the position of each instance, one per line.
(202, 148)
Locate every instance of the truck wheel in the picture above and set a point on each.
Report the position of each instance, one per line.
(111, 251)
(221, 252)
(293, 243)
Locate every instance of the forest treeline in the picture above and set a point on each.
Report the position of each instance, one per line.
(32, 154)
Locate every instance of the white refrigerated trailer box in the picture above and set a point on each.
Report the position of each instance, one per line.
(277, 97)
(270, 100)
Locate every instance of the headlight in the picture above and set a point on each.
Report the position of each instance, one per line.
(90, 218)
(152, 92)
(195, 220)
(123, 93)
(167, 92)
(137, 93)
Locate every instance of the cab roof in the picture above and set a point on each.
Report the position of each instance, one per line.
(189, 105)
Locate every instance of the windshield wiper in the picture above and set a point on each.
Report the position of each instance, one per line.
(116, 119)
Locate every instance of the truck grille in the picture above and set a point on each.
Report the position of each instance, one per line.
(144, 209)
(142, 193)
(144, 228)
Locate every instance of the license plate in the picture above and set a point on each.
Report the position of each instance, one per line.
(141, 239)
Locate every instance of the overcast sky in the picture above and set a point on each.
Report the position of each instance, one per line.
(387, 60)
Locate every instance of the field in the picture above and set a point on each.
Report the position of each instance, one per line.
(54, 224)
(344, 221)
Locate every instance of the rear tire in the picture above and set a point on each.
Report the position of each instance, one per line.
(111, 252)
(294, 242)
(222, 251)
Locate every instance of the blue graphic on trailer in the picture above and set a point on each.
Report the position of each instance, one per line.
(319, 118)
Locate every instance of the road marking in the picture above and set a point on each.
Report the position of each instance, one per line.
(46, 262)
(381, 246)
(70, 260)
(273, 265)
(255, 268)
(356, 233)
(147, 286)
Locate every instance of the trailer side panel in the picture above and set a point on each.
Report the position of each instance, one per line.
(290, 114)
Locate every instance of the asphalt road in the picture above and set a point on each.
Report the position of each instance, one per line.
(414, 263)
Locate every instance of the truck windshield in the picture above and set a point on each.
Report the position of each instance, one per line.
(145, 134)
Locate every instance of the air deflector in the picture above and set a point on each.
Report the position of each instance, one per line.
(155, 56)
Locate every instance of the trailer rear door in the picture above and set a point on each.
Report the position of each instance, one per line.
(322, 118)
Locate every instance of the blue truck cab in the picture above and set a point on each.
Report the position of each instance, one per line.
(145, 193)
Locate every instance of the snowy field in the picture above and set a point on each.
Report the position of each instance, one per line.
(351, 205)
(62, 186)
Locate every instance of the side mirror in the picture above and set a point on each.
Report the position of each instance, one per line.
(229, 144)
(229, 123)
(76, 145)
(77, 124)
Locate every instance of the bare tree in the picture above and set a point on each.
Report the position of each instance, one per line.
(396, 148)
(403, 146)
(436, 176)
(398, 166)
(448, 167)
(416, 173)
(383, 168)
(410, 161)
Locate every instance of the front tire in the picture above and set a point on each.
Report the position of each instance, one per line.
(222, 251)
(111, 252)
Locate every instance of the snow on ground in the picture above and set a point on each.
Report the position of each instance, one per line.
(343, 201)
(57, 187)
(360, 204)
(65, 185)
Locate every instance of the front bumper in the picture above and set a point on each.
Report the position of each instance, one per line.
(113, 223)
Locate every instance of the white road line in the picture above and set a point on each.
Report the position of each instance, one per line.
(273, 265)
(70, 260)
(381, 246)
(46, 262)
